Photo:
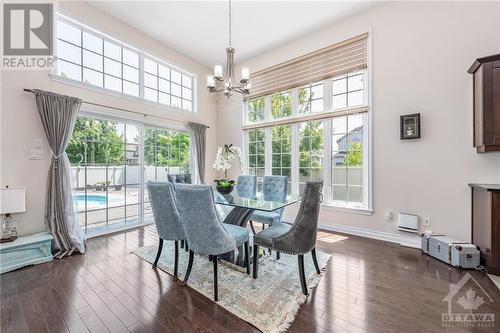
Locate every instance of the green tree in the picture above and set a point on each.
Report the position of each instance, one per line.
(281, 105)
(256, 110)
(166, 148)
(354, 156)
(96, 142)
(310, 147)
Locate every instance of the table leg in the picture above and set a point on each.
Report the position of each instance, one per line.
(238, 216)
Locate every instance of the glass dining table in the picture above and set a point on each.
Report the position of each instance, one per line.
(242, 210)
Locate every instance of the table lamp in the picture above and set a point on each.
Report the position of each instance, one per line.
(12, 200)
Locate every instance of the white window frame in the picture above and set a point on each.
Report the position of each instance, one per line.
(326, 116)
(142, 54)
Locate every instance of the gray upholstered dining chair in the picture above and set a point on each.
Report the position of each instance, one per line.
(204, 231)
(274, 188)
(297, 239)
(246, 186)
(180, 178)
(167, 218)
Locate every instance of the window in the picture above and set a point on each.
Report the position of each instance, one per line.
(348, 91)
(104, 157)
(94, 59)
(312, 113)
(282, 152)
(347, 159)
(110, 172)
(310, 152)
(167, 86)
(331, 148)
(255, 112)
(166, 149)
(281, 105)
(311, 98)
(165, 152)
(256, 152)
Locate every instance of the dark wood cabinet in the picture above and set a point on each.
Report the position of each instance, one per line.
(486, 73)
(486, 224)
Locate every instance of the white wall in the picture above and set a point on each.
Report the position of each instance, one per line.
(421, 53)
(20, 123)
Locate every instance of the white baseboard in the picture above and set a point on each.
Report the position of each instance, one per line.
(403, 240)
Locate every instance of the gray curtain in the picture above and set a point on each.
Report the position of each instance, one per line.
(58, 114)
(197, 133)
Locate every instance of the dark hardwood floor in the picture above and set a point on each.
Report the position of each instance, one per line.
(369, 286)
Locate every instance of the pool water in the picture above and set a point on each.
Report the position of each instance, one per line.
(96, 201)
(91, 198)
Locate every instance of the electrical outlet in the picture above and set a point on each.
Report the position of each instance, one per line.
(427, 221)
(36, 154)
(38, 143)
(389, 216)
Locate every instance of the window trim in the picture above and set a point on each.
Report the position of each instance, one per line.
(307, 117)
(141, 53)
(295, 118)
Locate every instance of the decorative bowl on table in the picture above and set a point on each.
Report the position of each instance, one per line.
(224, 186)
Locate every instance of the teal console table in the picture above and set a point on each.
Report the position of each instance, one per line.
(25, 250)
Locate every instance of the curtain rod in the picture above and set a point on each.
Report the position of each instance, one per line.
(124, 110)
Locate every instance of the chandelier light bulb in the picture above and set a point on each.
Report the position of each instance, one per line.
(245, 74)
(218, 71)
(210, 81)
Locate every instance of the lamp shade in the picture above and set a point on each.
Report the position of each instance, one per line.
(12, 200)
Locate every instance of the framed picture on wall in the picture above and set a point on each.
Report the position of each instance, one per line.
(409, 126)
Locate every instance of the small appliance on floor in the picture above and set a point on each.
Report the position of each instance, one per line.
(451, 251)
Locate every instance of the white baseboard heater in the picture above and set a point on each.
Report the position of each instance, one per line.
(408, 222)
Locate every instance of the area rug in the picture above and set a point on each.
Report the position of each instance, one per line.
(270, 303)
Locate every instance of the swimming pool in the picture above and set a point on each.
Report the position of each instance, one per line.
(91, 198)
(96, 201)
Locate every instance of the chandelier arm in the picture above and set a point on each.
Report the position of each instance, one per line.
(230, 14)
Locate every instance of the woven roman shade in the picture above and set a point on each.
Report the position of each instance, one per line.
(334, 60)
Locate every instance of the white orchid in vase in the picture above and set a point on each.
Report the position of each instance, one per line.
(223, 162)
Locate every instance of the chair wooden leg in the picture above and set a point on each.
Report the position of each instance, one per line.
(278, 255)
(160, 246)
(190, 265)
(255, 261)
(251, 226)
(176, 259)
(315, 260)
(182, 244)
(302, 274)
(247, 258)
(216, 287)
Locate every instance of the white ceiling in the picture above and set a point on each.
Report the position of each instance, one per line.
(199, 29)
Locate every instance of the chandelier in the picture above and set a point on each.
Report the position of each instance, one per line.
(223, 80)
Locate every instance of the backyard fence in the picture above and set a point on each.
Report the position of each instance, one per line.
(119, 174)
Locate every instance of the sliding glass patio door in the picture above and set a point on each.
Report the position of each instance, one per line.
(111, 163)
(106, 165)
